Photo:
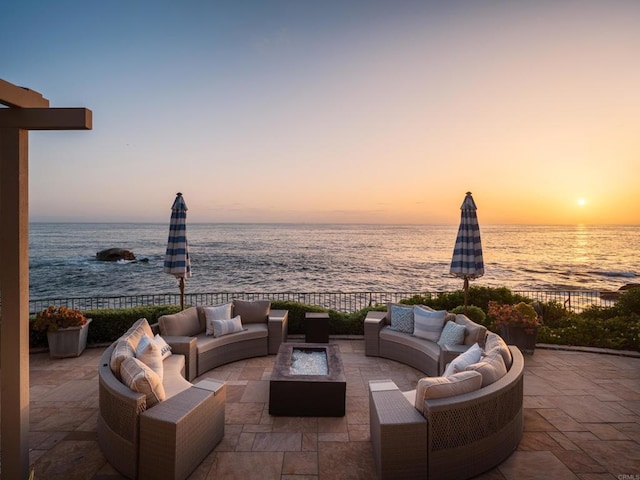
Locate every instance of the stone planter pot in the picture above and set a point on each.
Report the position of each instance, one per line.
(68, 342)
(521, 337)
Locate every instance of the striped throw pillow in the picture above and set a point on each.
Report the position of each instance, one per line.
(218, 312)
(140, 378)
(225, 327)
(428, 324)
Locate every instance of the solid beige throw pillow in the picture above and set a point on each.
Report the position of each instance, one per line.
(149, 353)
(140, 378)
(495, 341)
(256, 311)
(185, 323)
(491, 367)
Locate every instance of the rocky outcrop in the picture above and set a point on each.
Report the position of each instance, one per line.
(615, 295)
(115, 254)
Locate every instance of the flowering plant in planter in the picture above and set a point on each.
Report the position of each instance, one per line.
(52, 318)
(520, 315)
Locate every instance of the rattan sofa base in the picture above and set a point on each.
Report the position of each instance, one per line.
(232, 352)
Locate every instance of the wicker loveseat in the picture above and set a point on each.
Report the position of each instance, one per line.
(264, 331)
(425, 355)
(456, 437)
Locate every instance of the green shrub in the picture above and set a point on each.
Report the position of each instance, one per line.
(629, 302)
(479, 296)
(339, 323)
(297, 312)
(616, 327)
(597, 312)
(108, 324)
(622, 333)
(553, 313)
(476, 314)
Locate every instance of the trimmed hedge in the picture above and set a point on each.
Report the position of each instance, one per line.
(616, 327)
(108, 324)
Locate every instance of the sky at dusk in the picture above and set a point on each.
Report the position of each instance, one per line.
(337, 111)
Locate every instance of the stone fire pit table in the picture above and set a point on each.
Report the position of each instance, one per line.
(315, 394)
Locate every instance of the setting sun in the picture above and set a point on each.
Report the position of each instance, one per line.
(582, 202)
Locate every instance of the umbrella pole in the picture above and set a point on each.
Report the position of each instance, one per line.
(466, 294)
(181, 293)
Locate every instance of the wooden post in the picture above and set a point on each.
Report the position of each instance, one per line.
(29, 110)
(14, 284)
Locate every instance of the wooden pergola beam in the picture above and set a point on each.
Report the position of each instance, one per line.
(14, 96)
(46, 118)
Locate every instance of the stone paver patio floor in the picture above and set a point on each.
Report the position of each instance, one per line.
(582, 421)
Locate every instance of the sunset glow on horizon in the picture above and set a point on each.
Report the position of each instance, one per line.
(334, 112)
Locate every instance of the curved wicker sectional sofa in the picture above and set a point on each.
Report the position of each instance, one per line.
(170, 438)
(455, 437)
(427, 356)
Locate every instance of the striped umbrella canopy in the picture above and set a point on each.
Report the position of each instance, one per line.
(176, 261)
(467, 260)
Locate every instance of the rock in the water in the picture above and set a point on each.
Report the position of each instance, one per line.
(115, 254)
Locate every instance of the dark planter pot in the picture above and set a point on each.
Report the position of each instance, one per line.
(521, 337)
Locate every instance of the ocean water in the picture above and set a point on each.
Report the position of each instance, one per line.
(271, 258)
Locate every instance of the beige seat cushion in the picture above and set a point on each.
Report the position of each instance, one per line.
(429, 348)
(173, 381)
(184, 323)
(251, 331)
(256, 311)
(444, 387)
(174, 365)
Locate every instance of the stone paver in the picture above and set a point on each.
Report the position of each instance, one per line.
(582, 421)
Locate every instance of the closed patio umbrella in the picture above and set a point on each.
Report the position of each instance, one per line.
(467, 260)
(176, 261)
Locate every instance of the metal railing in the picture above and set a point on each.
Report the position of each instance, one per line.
(347, 302)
